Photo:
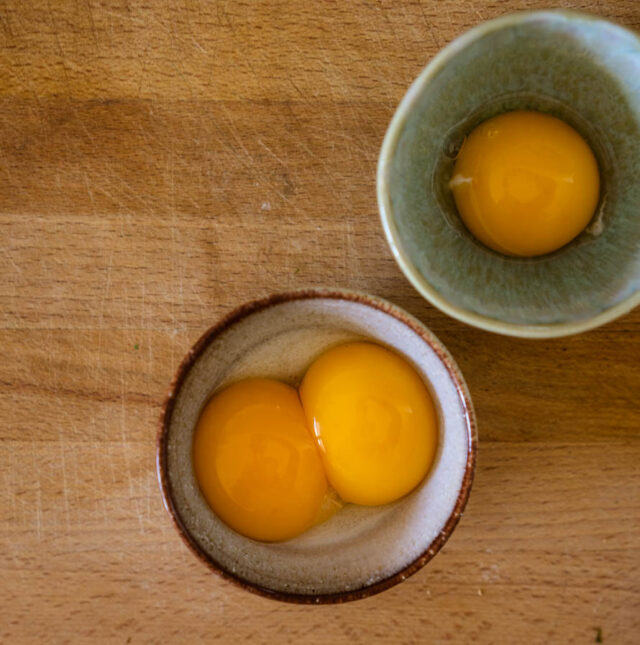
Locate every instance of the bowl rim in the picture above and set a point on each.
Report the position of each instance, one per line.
(392, 135)
(254, 306)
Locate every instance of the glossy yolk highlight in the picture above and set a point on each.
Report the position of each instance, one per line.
(525, 183)
(256, 462)
(374, 420)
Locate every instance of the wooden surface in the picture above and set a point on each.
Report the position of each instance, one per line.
(163, 162)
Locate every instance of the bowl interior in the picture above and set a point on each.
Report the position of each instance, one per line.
(578, 68)
(359, 546)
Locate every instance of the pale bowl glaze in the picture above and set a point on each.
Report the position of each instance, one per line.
(360, 550)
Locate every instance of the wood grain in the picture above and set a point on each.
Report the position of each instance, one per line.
(161, 163)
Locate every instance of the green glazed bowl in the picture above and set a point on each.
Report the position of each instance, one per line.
(579, 68)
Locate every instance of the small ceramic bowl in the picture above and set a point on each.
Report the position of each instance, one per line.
(576, 67)
(360, 550)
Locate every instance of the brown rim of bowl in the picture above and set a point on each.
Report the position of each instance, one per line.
(242, 312)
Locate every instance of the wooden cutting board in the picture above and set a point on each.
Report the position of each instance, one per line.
(163, 162)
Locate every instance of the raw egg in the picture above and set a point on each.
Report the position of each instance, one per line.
(256, 462)
(364, 423)
(374, 421)
(525, 183)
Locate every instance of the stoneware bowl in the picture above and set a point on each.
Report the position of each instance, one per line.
(360, 550)
(576, 67)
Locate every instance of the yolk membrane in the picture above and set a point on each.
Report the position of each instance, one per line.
(256, 462)
(374, 420)
(525, 183)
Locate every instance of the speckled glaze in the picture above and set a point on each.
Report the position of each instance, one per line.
(360, 550)
(579, 68)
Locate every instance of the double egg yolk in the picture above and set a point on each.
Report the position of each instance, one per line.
(272, 461)
(525, 183)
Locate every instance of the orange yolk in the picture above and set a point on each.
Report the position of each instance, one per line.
(525, 183)
(374, 420)
(256, 462)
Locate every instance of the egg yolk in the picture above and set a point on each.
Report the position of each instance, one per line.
(374, 421)
(256, 462)
(525, 183)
